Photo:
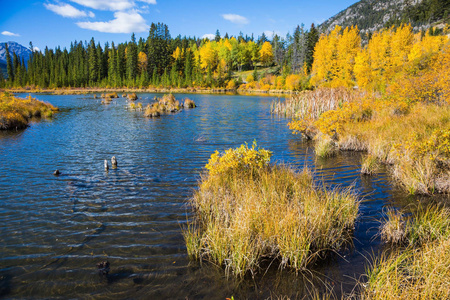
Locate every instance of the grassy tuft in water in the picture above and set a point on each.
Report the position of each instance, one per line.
(247, 210)
(419, 271)
(15, 112)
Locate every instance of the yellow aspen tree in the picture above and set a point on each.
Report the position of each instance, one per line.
(325, 67)
(177, 54)
(208, 55)
(142, 62)
(322, 57)
(401, 44)
(266, 54)
(348, 46)
(362, 69)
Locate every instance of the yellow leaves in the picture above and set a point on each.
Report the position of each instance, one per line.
(334, 57)
(293, 82)
(266, 53)
(142, 61)
(208, 55)
(239, 159)
(177, 54)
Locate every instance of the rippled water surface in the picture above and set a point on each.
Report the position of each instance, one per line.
(54, 230)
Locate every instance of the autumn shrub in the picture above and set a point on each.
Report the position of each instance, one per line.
(294, 82)
(247, 210)
(15, 112)
(231, 85)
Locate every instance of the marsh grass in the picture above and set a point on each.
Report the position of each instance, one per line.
(15, 112)
(311, 104)
(325, 146)
(244, 216)
(415, 142)
(369, 165)
(419, 271)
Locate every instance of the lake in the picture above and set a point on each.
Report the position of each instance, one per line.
(55, 229)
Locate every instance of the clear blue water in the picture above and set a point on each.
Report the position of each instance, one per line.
(54, 230)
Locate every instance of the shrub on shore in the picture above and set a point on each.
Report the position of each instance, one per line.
(247, 210)
(15, 112)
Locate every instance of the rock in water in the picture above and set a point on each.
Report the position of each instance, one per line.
(114, 162)
(56, 173)
(103, 267)
(106, 165)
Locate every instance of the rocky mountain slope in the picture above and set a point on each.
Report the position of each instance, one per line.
(371, 15)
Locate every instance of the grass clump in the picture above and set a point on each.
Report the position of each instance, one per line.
(419, 271)
(132, 97)
(166, 104)
(15, 112)
(325, 147)
(247, 210)
(370, 165)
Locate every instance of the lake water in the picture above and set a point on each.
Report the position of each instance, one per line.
(54, 230)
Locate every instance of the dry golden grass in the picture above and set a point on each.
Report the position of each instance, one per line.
(243, 216)
(422, 269)
(15, 112)
(311, 104)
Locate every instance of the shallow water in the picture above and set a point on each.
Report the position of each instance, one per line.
(54, 230)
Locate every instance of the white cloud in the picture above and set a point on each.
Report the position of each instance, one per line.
(236, 19)
(36, 49)
(8, 33)
(114, 5)
(68, 11)
(209, 36)
(271, 33)
(123, 22)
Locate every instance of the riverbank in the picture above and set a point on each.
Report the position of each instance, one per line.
(81, 91)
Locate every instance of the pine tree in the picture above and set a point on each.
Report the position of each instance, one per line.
(132, 60)
(93, 63)
(313, 38)
(9, 66)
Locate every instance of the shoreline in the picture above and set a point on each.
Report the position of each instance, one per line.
(78, 91)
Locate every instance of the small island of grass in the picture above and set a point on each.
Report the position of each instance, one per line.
(247, 210)
(167, 104)
(15, 113)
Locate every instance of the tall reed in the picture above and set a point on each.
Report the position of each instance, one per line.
(311, 104)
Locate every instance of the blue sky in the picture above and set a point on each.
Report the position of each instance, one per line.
(59, 22)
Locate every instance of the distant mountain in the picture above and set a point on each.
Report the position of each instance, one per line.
(371, 15)
(14, 47)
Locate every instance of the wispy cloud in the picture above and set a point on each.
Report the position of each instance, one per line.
(236, 19)
(123, 22)
(9, 33)
(68, 11)
(209, 36)
(113, 5)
